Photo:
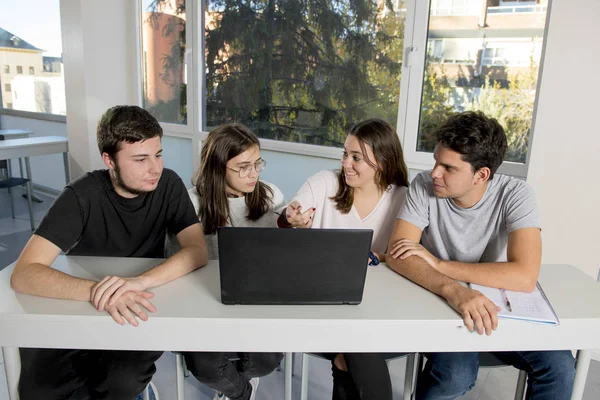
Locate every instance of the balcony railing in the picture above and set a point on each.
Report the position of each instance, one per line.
(464, 11)
(516, 9)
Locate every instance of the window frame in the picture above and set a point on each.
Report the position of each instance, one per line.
(409, 117)
(411, 87)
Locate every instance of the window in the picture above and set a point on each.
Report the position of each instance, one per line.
(302, 71)
(468, 67)
(7, 69)
(34, 38)
(7, 87)
(164, 70)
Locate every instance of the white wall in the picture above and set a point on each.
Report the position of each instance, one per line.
(99, 60)
(566, 142)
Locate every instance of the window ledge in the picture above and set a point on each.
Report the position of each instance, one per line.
(34, 115)
(301, 149)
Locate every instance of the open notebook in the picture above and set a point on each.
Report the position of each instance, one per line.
(533, 306)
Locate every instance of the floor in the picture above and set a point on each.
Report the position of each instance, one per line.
(492, 383)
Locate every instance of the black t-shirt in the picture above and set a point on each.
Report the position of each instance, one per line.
(90, 219)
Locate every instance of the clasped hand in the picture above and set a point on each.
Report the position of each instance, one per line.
(122, 298)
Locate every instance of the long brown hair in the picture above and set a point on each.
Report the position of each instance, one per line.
(388, 153)
(222, 144)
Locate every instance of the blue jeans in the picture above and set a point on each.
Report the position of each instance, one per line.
(550, 374)
(229, 373)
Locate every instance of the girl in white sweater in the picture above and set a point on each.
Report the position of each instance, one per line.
(228, 192)
(366, 193)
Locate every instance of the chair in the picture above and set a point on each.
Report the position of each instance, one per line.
(183, 373)
(9, 182)
(409, 375)
(489, 360)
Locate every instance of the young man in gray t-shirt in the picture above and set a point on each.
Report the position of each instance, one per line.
(460, 222)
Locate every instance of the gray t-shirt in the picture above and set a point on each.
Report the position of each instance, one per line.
(476, 234)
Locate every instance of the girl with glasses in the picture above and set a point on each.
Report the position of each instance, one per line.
(365, 193)
(228, 192)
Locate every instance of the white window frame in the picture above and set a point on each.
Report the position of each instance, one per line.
(412, 88)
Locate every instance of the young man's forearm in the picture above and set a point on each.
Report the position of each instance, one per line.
(504, 275)
(42, 280)
(183, 262)
(420, 272)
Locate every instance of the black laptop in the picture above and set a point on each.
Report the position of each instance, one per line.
(293, 266)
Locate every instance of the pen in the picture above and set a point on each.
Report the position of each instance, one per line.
(506, 301)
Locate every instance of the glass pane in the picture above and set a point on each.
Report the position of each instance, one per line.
(31, 55)
(163, 51)
(302, 70)
(493, 69)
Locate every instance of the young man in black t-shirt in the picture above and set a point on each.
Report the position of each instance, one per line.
(124, 211)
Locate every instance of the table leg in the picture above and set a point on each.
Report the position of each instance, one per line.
(581, 370)
(28, 170)
(21, 167)
(288, 376)
(67, 169)
(12, 368)
(29, 198)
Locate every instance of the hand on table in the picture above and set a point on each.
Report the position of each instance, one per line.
(478, 311)
(130, 305)
(108, 290)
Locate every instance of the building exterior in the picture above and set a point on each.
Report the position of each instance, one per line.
(17, 58)
(30, 81)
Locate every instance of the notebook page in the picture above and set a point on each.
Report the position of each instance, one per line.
(525, 306)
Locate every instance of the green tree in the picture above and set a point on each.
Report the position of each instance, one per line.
(301, 70)
(435, 106)
(512, 106)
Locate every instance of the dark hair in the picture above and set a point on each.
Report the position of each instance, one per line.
(388, 153)
(222, 144)
(125, 124)
(478, 138)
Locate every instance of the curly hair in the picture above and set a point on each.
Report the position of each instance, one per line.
(478, 138)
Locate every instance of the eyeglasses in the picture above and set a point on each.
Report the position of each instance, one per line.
(243, 172)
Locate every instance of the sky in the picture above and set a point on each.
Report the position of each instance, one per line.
(35, 21)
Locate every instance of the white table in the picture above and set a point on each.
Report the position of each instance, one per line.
(395, 316)
(15, 133)
(36, 146)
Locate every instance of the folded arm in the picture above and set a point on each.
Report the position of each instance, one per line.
(477, 311)
(193, 255)
(519, 272)
(34, 275)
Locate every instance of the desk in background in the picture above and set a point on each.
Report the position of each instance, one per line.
(395, 316)
(15, 134)
(37, 146)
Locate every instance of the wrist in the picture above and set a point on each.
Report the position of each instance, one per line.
(145, 282)
(446, 290)
(282, 221)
